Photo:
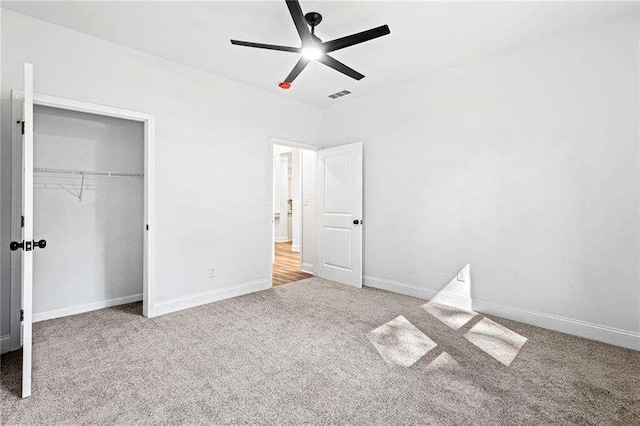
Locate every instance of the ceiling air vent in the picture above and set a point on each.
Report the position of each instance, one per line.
(339, 94)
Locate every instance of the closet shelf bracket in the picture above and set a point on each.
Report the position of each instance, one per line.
(81, 188)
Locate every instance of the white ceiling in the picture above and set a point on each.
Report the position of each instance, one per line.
(424, 35)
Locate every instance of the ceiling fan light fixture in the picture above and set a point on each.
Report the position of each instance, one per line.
(313, 48)
(312, 53)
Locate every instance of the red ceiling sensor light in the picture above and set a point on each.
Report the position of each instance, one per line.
(285, 85)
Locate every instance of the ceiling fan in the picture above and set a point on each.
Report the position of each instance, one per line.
(315, 49)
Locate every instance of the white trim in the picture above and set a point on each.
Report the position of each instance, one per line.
(457, 300)
(286, 142)
(149, 248)
(282, 239)
(79, 309)
(296, 248)
(91, 108)
(5, 343)
(601, 333)
(185, 302)
(149, 194)
(308, 268)
(16, 214)
(398, 287)
(26, 257)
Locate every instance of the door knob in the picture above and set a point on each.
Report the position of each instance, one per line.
(16, 245)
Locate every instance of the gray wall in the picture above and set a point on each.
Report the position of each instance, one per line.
(524, 164)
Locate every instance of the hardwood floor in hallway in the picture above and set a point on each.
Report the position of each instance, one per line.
(286, 268)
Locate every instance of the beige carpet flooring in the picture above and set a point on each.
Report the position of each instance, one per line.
(301, 353)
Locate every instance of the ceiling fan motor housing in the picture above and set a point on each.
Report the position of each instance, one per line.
(313, 18)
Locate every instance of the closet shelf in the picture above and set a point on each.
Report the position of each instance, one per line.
(86, 172)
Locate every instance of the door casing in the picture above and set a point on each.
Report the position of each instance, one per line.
(270, 221)
(17, 97)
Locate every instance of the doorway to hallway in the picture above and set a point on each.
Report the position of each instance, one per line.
(316, 207)
(293, 234)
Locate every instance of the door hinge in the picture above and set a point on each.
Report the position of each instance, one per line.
(22, 222)
(147, 227)
(22, 126)
(21, 315)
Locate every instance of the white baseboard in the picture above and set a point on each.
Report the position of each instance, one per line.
(601, 333)
(456, 300)
(73, 310)
(398, 287)
(180, 303)
(308, 268)
(295, 248)
(5, 343)
(282, 239)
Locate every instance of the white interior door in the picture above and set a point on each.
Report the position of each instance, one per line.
(339, 242)
(27, 229)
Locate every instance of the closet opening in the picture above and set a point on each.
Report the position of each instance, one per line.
(88, 203)
(293, 168)
(93, 203)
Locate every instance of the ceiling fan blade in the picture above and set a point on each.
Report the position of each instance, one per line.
(339, 66)
(302, 63)
(265, 46)
(341, 43)
(298, 19)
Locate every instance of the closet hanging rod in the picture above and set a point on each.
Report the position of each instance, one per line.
(86, 172)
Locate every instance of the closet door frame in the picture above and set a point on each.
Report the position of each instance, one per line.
(148, 226)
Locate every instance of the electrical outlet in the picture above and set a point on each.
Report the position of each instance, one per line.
(212, 272)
